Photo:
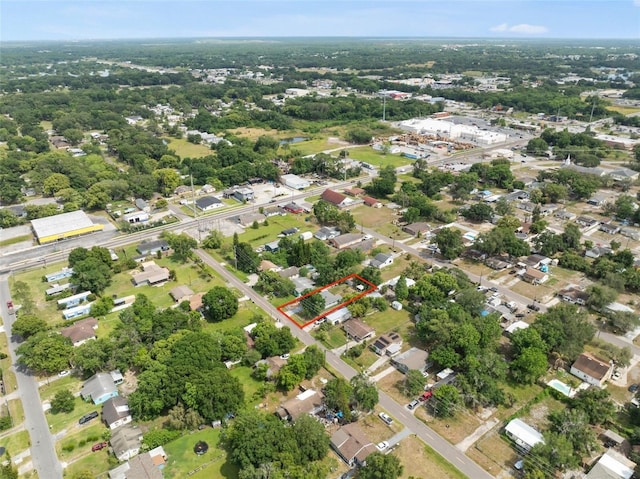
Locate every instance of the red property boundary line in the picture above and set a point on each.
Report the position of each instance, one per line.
(372, 288)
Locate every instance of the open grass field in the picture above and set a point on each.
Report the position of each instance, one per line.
(16, 443)
(625, 110)
(420, 460)
(69, 421)
(8, 376)
(266, 234)
(81, 439)
(493, 453)
(183, 462)
(97, 463)
(310, 147)
(377, 158)
(185, 149)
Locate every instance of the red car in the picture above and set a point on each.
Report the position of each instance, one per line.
(425, 395)
(99, 446)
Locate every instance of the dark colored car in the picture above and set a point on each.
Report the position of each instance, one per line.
(494, 289)
(634, 388)
(533, 307)
(98, 447)
(88, 417)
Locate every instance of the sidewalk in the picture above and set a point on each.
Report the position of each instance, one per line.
(468, 441)
(384, 373)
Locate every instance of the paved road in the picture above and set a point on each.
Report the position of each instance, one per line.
(428, 435)
(43, 453)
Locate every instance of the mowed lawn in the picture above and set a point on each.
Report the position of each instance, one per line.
(377, 158)
(185, 149)
(183, 462)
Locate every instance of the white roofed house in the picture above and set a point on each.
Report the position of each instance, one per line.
(523, 435)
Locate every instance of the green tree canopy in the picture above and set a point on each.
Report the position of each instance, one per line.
(219, 303)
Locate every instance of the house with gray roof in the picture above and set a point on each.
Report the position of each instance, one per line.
(99, 388)
(115, 412)
(381, 260)
(126, 442)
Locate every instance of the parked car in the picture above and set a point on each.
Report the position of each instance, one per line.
(64, 373)
(98, 447)
(88, 417)
(385, 418)
(634, 388)
(494, 289)
(520, 315)
(382, 445)
(284, 356)
(533, 307)
(413, 404)
(616, 375)
(426, 395)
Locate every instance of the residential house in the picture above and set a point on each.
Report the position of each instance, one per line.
(537, 260)
(616, 307)
(364, 246)
(208, 203)
(151, 274)
(274, 365)
(598, 251)
(117, 377)
(115, 412)
(598, 199)
(417, 229)
(414, 358)
(181, 293)
(381, 260)
(534, 276)
(142, 205)
(474, 254)
(99, 388)
(358, 330)
(181, 190)
(126, 442)
(497, 264)
(195, 302)
(587, 170)
(574, 295)
(612, 465)
(330, 299)
(266, 265)
(81, 331)
(152, 247)
(354, 191)
(57, 289)
(527, 206)
(586, 221)
(624, 174)
(564, 215)
(591, 369)
(80, 310)
(524, 436)
(289, 232)
(248, 219)
(517, 195)
(372, 202)
(74, 300)
(276, 211)
(610, 228)
(345, 241)
(58, 275)
(293, 208)
(335, 198)
(309, 402)
(326, 233)
(302, 284)
(338, 316)
(290, 273)
(352, 444)
(388, 344)
(273, 246)
(144, 466)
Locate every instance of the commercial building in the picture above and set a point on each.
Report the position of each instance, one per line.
(295, 182)
(63, 226)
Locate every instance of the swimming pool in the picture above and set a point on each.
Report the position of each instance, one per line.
(561, 387)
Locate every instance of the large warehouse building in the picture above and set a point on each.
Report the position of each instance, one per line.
(453, 131)
(66, 225)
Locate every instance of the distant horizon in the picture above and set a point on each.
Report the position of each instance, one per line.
(96, 20)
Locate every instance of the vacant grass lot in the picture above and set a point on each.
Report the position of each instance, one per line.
(183, 462)
(373, 217)
(376, 158)
(185, 149)
(16, 443)
(419, 460)
(97, 463)
(77, 442)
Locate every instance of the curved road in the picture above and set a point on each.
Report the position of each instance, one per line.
(43, 452)
(428, 435)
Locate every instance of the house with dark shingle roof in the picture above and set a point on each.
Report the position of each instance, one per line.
(115, 412)
(352, 444)
(81, 331)
(591, 369)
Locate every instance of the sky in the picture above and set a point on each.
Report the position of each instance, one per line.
(27, 20)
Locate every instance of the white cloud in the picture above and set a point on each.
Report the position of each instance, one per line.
(524, 28)
(503, 27)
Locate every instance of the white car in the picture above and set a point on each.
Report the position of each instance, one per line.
(382, 445)
(284, 356)
(64, 373)
(386, 418)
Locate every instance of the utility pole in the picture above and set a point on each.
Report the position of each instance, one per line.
(384, 105)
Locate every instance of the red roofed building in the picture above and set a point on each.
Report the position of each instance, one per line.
(335, 198)
(369, 201)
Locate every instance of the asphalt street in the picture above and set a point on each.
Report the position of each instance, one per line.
(398, 411)
(43, 452)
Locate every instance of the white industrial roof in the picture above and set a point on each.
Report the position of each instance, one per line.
(59, 224)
